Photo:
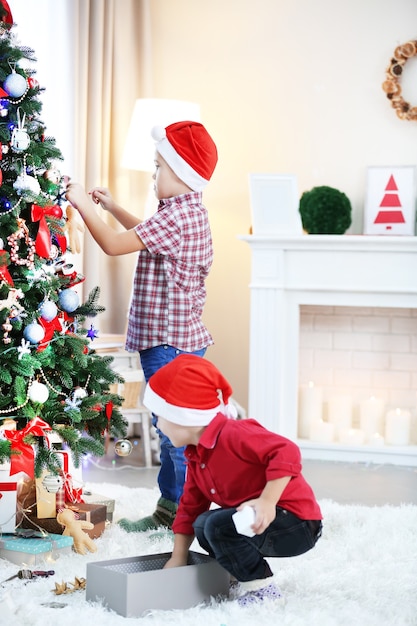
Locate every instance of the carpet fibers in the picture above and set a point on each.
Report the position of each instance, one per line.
(362, 571)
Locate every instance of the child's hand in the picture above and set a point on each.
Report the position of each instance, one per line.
(76, 195)
(175, 562)
(265, 513)
(102, 196)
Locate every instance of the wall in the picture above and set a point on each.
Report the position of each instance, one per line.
(284, 86)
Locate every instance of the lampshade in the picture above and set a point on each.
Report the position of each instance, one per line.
(139, 150)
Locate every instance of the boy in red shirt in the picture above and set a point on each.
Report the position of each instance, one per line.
(237, 465)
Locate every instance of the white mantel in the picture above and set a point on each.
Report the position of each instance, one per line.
(334, 270)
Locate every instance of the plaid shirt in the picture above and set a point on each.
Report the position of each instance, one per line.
(168, 288)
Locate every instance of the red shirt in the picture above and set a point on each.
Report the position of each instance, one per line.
(168, 288)
(232, 462)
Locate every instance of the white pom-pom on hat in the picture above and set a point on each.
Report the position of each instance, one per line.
(158, 133)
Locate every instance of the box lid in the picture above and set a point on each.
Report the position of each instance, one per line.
(34, 545)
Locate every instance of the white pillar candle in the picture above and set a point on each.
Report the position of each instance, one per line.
(311, 408)
(352, 436)
(321, 432)
(340, 412)
(397, 427)
(371, 416)
(376, 440)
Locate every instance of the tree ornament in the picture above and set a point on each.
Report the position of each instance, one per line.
(79, 393)
(92, 333)
(4, 107)
(48, 310)
(123, 447)
(21, 233)
(53, 176)
(52, 483)
(15, 84)
(34, 333)
(27, 186)
(20, 139)
(68, 300)
(38, 392)
(33, 82)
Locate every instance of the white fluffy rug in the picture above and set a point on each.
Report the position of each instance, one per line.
(362, 571)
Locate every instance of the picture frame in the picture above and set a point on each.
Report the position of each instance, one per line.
(274, 204)
(390, 203)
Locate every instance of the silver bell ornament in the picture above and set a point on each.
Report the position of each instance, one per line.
(123, 447)
(52, 483)
(20, 139)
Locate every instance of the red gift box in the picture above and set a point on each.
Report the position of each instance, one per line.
(8, 501)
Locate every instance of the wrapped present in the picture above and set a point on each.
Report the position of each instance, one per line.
(71, 491)
(8, 502)
(95, 498)
(45, 500)
(94, 513)
(25, 551)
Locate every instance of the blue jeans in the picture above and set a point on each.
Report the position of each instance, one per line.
(242, 556)
(171, 475)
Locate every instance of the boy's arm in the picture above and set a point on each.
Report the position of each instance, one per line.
(265, 505)
(110, 241)
(179, 554)
(102, 196)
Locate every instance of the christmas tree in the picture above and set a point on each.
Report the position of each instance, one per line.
(51, 377)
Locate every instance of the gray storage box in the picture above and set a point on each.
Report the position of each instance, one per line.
(134, 585)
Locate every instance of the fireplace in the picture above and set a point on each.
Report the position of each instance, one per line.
(320, 270)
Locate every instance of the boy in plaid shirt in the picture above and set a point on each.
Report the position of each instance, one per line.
(175, 256)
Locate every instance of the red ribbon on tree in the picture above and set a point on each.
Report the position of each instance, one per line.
(8, 18)
(4, 272)
(49, 328)
(43, 238)
(24, 461)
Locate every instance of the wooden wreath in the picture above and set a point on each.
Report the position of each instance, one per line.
(391, 84)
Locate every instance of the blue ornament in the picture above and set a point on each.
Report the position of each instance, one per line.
(68, 300)
(48, 310)
(5, 205)
(92, 333)
(34, 333)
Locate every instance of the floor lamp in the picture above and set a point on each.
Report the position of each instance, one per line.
(139, 149)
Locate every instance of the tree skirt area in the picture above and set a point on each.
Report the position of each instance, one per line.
(362, 571)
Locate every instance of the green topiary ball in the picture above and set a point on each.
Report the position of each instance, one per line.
(325, 211)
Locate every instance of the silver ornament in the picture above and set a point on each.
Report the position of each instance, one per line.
(52, 483)
(123, 447)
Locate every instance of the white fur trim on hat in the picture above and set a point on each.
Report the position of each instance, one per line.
(184, 416)
(182, 169)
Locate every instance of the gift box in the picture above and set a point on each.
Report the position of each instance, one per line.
(95, 498)
(94, 513)
(132, 586)
(31, 551)
(8, 501)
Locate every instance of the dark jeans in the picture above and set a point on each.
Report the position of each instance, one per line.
(242, 556)
(171, 475)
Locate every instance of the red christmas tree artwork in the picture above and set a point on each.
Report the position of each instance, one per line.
(390, 203)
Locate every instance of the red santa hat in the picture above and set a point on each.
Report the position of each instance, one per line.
(189, 151)
(189, 391)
